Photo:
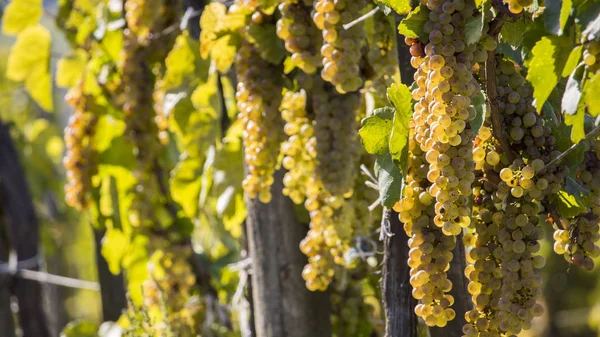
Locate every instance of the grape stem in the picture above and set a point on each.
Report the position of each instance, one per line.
(590, 135)
(492, 90)
(361, 19)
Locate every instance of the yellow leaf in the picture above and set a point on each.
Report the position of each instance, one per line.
(32, 47)
(39, 86)
(20, 14)
(208, 24)
(224, 50)
(69, 69)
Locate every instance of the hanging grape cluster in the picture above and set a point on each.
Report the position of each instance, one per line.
(80, 161)
(341, 47)
(508, 212)
(301, 36)
(258, 97)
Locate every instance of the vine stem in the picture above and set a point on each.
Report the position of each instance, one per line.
(560, 157)
(492, 90)
(361, 19)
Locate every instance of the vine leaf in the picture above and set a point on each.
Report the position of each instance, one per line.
(29, 61)
(270, 47)
(556, 15)
(577, 123)
(572, 95)
(572, 61)
(223, 51)
(549, 56)
(512, 32)
(401, 7)
(474, 29)
(400, 96)
(20, 14)
(376, 130)
(568, 205)
(389, 179)
(591, 93)
(412, 25)
(80, 328)
(212, 14)
(479, 103)
(70, 68)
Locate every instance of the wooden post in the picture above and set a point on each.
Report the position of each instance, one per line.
(398, 302)
(23, 233)
(7, 324)
(283, 307)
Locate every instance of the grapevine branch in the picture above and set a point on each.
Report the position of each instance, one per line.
(562, 156)
(492, 90)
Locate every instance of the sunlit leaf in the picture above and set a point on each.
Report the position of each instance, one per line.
(401, 98)
(376, 130)
(70, 68)
(20, 14)
(400, 6)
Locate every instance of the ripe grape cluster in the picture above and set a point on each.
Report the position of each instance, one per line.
(170, 285)
(337, 143)
(302, 38)
(341, 48)
(80, 161)
(443, 111)
(382, 54)
(258, 98)
(577, 240)
(430, 250)
(508, 212)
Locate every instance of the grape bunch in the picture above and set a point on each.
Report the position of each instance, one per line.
(80, 160)
(577, 240)
(591, 57)
(170, 285)
(508, 212)
(341, 48)
(517, 6)
(382, 53)
(302, 38)
(430, 250)
(258, 98)
(337, 143)
(445, 86)
(297, 160)
(141, 16)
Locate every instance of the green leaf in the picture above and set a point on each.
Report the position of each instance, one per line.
(575, 189)
(135, 263)
(577, 123)
(591, 91)
(401, 7)
(80, 328)
(512, 32)
(185, 183)
(479, 103)
(267, 6)
(548, 60)
(412, 25)
(556, 15)
(572, 95)
(114, 248)
(389, 179)
(401, 98)
(568, 205)
(474, 29)
(270, 47)
(20, 14)
(69, 69)
(572, 61)
(376, 130)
